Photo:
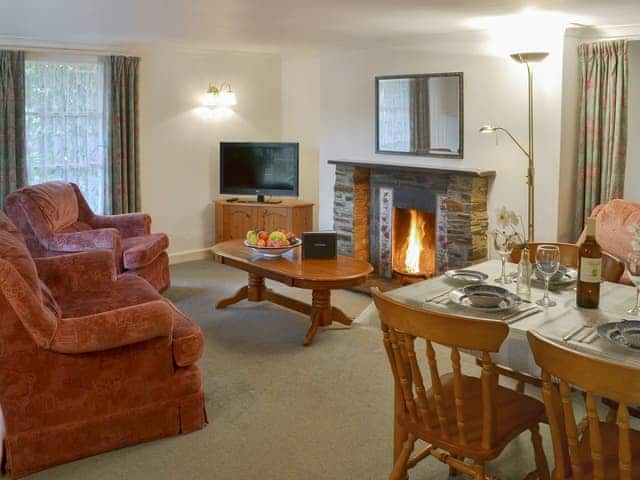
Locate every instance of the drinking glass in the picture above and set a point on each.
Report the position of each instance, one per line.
(633, 267)
(547, 263)
(503, 244)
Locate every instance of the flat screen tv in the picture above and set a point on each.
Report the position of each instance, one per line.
(259, 169)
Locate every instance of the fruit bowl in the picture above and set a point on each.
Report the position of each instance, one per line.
(273, 251)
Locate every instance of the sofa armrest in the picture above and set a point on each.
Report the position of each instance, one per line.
(116, 328)
(129, 224)
(103, 238)
(77, 270)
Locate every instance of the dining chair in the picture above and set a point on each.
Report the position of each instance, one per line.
(459, 416)
(591, 448)
(612, 268)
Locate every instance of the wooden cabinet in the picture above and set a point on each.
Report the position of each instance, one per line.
(233, 219)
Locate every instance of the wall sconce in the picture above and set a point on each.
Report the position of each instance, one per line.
(219, 97)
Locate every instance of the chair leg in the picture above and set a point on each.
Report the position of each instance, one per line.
(542, 467)
(399, 471)
(479, 475)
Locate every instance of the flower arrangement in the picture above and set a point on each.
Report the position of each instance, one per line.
(634, 228)
(508, 223)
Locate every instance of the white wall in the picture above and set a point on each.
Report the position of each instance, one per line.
(179, 139)
(301, 117)
(495, 91)
(632, 173)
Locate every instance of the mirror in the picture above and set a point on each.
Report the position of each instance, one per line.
(420, 115)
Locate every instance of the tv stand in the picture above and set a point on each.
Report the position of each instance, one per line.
(234, 219)
(261, 200)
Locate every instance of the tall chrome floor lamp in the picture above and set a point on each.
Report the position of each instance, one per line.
(527, 59)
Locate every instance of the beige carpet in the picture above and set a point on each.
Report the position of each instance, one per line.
(278, 410)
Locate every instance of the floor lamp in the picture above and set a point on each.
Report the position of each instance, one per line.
(526, 59)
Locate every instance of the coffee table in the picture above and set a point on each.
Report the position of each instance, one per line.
(319, 276)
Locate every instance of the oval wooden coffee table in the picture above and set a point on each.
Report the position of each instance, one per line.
(320, 276)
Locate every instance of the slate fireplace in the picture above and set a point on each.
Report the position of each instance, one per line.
(411, 221)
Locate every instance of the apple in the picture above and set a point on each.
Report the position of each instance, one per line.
(261, 243)
(277, 235)
(262, 235)
(252, 237)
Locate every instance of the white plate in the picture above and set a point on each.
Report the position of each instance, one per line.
(273, 251)
(570, 276)
(460, 296)
(466, 275)
(611, 332)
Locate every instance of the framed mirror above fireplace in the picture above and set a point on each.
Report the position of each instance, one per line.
(420, 115)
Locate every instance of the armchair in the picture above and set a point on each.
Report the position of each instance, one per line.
(89, 361)
(55, 219)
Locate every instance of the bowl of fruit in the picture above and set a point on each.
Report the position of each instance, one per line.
(271, 244)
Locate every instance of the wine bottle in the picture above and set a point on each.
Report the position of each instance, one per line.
(590, 269)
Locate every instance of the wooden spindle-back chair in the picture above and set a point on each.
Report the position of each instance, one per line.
(591, 448)
(612, 268)
(459, 416)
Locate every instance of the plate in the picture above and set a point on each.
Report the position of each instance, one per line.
(460, 296)
(273, 251)
(569, 276)
(611, 332)
(468, 276)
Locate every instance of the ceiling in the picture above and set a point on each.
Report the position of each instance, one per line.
(274, 24)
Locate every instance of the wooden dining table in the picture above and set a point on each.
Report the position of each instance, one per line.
(553, 322)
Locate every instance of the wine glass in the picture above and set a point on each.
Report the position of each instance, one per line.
(633, 267)
(547, 263)
(503, 244)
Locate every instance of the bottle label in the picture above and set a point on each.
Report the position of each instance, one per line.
(590, 270)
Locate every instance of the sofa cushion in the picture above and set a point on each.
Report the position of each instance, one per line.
(141, 251)
(188, 341)
(14, 250)
(57, 201)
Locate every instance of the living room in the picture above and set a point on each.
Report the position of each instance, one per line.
(277, 366)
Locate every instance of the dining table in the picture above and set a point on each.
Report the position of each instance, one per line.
(564, 323)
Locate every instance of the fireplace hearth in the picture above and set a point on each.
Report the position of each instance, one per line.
(410, 223)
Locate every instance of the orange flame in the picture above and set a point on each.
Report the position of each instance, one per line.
(414, 244)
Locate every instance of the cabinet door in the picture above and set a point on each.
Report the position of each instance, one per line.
(238, 220)
(275, 218)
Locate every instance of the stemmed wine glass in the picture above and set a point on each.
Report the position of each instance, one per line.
(503, 244)
(633, 267)
(547, 263)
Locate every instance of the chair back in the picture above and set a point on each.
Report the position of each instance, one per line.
(612, 268)
(563, 369)
(401, 325)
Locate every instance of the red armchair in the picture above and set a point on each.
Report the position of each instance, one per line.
(89, 362)
(55, 219)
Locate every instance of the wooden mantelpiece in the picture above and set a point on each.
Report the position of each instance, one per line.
(234, 219)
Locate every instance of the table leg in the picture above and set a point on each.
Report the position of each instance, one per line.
(321, 313)
(254, 292)
(240, 295)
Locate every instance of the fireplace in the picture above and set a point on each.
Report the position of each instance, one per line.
(413, 241)
(410, 222)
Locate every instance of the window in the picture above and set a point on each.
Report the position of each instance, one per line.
(65, 126)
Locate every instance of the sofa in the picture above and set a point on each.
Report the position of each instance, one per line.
(55, 219)
(612, 222)
(89, 361)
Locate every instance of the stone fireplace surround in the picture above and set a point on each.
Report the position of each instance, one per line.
(366, 193)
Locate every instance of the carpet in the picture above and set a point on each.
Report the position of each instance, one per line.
(278, 410)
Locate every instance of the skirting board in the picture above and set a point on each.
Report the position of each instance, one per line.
(190, 256)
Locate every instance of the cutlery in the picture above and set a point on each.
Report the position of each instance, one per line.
(518, 312)
(573, 333)
(441, 294)
(524, 315)
(588, 331)
(591, 337)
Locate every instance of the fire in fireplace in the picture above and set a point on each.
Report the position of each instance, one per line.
(413, 243)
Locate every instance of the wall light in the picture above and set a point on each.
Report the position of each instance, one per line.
(219, 97)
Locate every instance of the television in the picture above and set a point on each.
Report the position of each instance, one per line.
(260, 169)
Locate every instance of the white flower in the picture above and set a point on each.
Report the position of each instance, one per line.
(513, 218)
(503, 217)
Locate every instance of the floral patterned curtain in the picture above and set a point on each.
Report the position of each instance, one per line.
(124, 168)
(602, 149)
(13, 172)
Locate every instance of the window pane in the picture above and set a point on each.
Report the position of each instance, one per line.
(65, 126)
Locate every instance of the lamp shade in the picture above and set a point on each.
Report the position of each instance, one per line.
(227, 99)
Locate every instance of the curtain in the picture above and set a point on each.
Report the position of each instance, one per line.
(123, 162)
(602, 148)
(420, 115)
(13, 171)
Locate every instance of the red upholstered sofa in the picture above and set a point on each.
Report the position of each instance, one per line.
(612, 221)
(89, 362)
(55, 219)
